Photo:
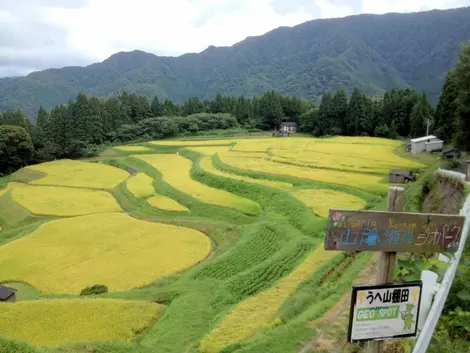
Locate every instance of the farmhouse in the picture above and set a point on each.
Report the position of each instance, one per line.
(288, 126)
(427, 143)
(400, 176)
(7, 294)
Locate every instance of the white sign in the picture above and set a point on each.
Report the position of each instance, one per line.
(384, 311)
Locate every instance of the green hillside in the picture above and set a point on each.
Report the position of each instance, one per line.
(374, 53)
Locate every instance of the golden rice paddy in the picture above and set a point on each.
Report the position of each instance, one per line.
(211, 150)
(321, 200)
(133, 149)
(251, 314)
(57, 322)
(114, 249)
(165, 203)
(193, 142)
(208, 166)
(141, 185)
(79, 174)
(176, 172)
(260, 163)
(61, 201)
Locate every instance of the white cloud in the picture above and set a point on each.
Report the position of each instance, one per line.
(167, 27)
(329, 10)
(54, 33)
(384, 6)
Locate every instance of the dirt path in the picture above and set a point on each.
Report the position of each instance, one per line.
(331, 328)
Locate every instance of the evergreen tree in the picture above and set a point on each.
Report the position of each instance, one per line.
(462, 75)
(446, 113)
(355, 116)
(392, 132)
(42, 119)
(340, 109)
(417, 120)
(270, 110)
(217, 105)
(156, 107)
(243, 110)
(325, 124)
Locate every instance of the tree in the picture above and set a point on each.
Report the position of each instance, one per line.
(392, 132)
(359, 116)
(462, 76)
(418, 118)
(446, 115)
(270, 110)
(325, 123)
(340, 109)
(156, 107)
(16, 148)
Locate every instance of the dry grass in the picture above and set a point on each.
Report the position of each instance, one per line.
(257, 311)
(66, 202)
(176, 172)
(61, 321)
(79, 174)
(141, 185)
(320, 201)
(112, 249)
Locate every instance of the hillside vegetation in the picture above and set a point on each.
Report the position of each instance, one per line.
(373, 53)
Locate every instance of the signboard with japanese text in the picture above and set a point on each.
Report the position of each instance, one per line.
(351, 230)
(384, 311)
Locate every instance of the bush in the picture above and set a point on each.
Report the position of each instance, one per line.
(95, 289)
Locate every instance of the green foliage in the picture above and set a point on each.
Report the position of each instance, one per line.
(16, 148)
(95, 289)
(453, 330)
(462, 76)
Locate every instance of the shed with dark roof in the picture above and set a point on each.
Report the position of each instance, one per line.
(288, 126)
(7, 294)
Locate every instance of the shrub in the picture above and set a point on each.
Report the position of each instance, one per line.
(95, 289)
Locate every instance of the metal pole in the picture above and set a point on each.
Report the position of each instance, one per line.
(395, 203)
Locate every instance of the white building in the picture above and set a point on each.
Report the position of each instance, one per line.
(426, 143)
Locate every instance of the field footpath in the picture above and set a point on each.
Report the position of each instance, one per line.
(335, 320)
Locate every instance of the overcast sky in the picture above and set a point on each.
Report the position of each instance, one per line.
(39, 34)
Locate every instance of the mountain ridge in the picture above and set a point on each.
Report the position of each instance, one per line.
(372, 52)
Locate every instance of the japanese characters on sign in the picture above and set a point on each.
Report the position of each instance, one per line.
(384, 311)
(350, 230)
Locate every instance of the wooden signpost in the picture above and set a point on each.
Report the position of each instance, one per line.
(391, 232)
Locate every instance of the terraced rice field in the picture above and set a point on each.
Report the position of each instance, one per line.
(133, 148)
(65, 202)
(225, 235)
(51, 322)
(176, 172)
(79, 174)
(74, 253)
(141, 185)
(165, 203)
(320, 200)
(251, 314)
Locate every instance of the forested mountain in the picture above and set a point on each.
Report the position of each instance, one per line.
(371, 52)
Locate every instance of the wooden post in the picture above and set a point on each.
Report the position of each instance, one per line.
(395, 203)
(468, 169)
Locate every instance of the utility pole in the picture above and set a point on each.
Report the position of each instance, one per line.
(427, 126)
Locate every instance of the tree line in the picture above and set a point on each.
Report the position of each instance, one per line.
(76, 129)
